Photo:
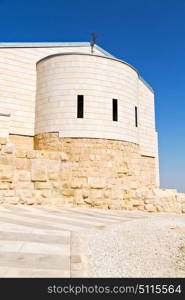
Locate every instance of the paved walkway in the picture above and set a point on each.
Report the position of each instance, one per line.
(36, 241)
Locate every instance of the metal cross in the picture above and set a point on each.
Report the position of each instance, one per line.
(93, 42)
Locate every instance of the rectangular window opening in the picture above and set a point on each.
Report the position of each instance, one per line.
(115, 109)
(136, 118)
(80, 106)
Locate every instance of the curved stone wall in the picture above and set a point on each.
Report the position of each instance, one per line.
(61, 78)
(109, 172)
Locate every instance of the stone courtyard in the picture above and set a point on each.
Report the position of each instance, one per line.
(87, 242)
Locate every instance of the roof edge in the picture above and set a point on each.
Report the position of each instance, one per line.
(106, 57)
(51, 45)
(103, 51)
(146, 83)
(42, 44)
(67, 44)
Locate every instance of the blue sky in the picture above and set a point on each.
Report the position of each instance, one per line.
(146, 33)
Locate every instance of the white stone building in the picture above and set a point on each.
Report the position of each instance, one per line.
(64, 88)
(40, 84)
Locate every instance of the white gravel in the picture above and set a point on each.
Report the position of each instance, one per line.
(148, 247)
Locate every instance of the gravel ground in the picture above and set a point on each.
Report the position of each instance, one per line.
(149, 247)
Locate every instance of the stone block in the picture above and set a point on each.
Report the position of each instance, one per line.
(75, 158)
(100, 204)
(31, 154)
(92, 157)
(3, 140)
(107, 194)
(24, 186)
(122, 171)
(96, 194)
(136, 202)
(9, 193)
(64, 156)
(20, 154)
(43, 185)
(39, 170)
(96, 182)
(21, 163)
(133, 184)
(8, 149)
(24, 175)
(4, 160)
(117, 204)
(150, 208)
(56, 185)
(68, 200)
(30, 201)
(54, 155)
(149, 200)
(12, 200)
(53, 168)
(169, 209)
(68, 192)
(6, 173)
(25, 193)
(42, 154)
(4, 186)
(140, 207)
(46, 193)
(117, 194)
(159, 208)
(89, 201)
(78, 197)
(85, 194)
(78, 182)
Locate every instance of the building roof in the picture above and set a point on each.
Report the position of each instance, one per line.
(51, 45)
(67, 44)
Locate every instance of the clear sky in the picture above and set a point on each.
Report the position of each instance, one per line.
(149, 34)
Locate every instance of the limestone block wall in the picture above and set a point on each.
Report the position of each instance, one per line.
(85, 172)
(22, 142)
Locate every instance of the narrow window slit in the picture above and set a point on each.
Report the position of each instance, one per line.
(136, 118)
(80, 106)
(115, 109)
